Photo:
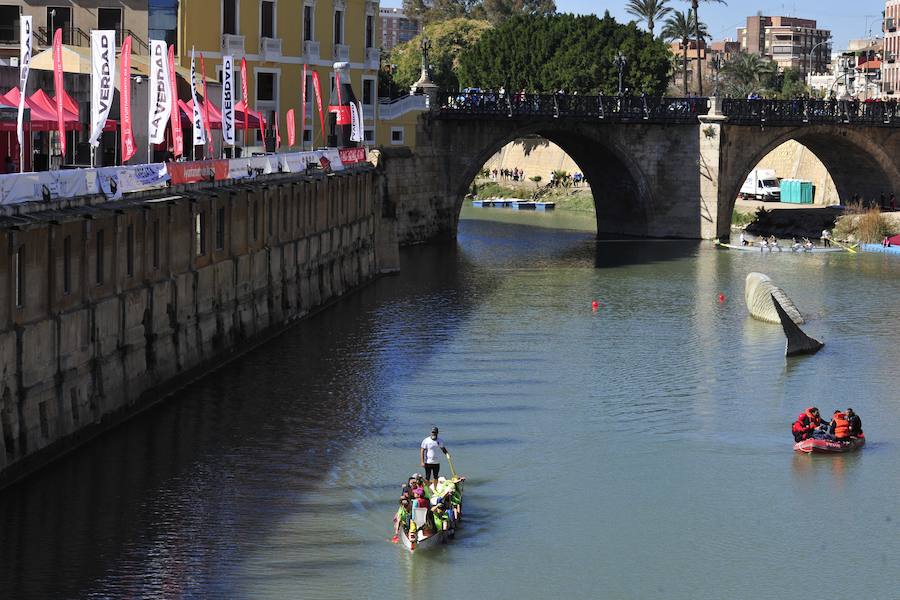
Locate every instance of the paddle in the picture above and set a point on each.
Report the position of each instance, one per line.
(450, 462)
(847, 248)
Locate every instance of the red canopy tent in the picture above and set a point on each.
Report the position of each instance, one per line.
(215, 115)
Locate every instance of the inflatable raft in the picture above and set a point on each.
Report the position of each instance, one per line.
(826, 446)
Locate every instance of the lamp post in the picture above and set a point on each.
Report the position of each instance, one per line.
(717, 62)
(809, 54)
(620, 62)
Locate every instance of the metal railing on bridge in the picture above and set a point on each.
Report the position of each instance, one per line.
(614, 108)
(809, 111)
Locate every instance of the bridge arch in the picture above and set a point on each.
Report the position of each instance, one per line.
(860, 160)
(623, 196)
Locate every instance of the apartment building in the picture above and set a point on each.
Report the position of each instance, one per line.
(277, 38)
(890, 68)
(792, 42)
(397, 28)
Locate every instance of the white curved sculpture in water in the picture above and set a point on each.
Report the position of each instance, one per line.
(758, 293)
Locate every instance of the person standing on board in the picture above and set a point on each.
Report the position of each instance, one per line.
(428, 456)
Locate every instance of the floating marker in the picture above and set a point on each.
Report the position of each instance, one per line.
(595, 306)
(721, 298)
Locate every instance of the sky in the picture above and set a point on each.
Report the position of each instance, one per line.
(847, 20)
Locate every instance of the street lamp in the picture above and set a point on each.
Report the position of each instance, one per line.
(620, 62)
(717, 62)
(810, 53)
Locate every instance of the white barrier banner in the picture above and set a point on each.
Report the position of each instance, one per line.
(70, 184)
(228, 100)
(26, 187)
(160, 92)
(115, 181)
(103, 73)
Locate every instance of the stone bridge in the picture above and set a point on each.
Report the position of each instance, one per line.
(657, 167)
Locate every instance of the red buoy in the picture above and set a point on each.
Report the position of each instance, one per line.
(721, 298)
(595, 306)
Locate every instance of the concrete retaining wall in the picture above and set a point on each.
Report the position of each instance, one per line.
(107, 307)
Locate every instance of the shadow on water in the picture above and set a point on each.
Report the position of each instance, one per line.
(615, 254)
(169, 502)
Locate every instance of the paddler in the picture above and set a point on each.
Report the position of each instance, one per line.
(428, 455)
(401, 519)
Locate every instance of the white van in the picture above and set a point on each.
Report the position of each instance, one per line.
(761, 184)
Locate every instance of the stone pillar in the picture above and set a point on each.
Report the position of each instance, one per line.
(714, 220)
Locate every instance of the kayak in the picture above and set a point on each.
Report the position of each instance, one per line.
(757, 248)
(830, 446)
(428, 542)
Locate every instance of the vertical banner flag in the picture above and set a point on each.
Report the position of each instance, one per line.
(362, 125)
(103, 74)
(177, 134)
(246, 97)
(128, 146)
(228, 100)
(355, 123)
(277, 133)
(318, 90)
(303, 107)
(24, 66)
(197, 121)
(289, 117)
(212, 147)
(161, 92)
(58, 88)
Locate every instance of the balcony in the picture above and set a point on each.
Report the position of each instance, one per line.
(341, 53)
(270, 48)
(373, 58)
(232, 45)
(311, 50)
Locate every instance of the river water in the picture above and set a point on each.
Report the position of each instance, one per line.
(642, 451)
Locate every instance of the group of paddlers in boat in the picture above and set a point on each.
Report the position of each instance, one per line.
(430, 505)
(772, 244)
(812, 433)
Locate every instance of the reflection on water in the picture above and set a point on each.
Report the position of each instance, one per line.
(642, 450)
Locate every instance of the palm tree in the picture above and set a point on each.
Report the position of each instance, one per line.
(648, 10)
(694, 5)
(747, 73)
(680, 27)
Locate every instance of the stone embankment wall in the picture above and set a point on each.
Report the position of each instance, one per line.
(106, 307)
(792, 160)
(535, 156)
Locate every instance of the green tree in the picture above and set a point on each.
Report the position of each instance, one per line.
(695, 5)
(791, 84)
(564, 51)
(747, 74)
(680, 27)
(497, 11)
(650, 11)
(449, 39)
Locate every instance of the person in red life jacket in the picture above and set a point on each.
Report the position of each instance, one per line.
(806, 424)
(840, 426)
(855, 423)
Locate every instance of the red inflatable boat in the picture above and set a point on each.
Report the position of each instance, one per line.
(828, 446)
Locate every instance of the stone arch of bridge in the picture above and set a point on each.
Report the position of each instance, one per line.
(622, 197)
(860, 161)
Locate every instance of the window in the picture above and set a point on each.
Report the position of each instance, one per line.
(370, 31)
(9, 24)
(307, 135)
(67, 264)
(156, 244)
(265, 87)
(397, 135)
(19, 274)
(267, 19)
(368, 91)
(163, 21)
(369, 136)
(98, 258)
(338, 27)
(129, 250)
(200, 232)
(308, 15)
(60, 17)
(220, 228)
(110, 18)
(230, 17)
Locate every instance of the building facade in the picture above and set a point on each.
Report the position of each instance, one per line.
(397, 28)
(890, 69)
(278, 37)
(791, 42)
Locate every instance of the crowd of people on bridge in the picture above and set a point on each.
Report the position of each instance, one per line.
(842, 426)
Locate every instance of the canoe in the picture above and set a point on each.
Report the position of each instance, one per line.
(782, 249)
(830, 446)
(436, 539)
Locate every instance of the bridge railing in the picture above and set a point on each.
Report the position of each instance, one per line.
(805, 110)
(614, 108)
